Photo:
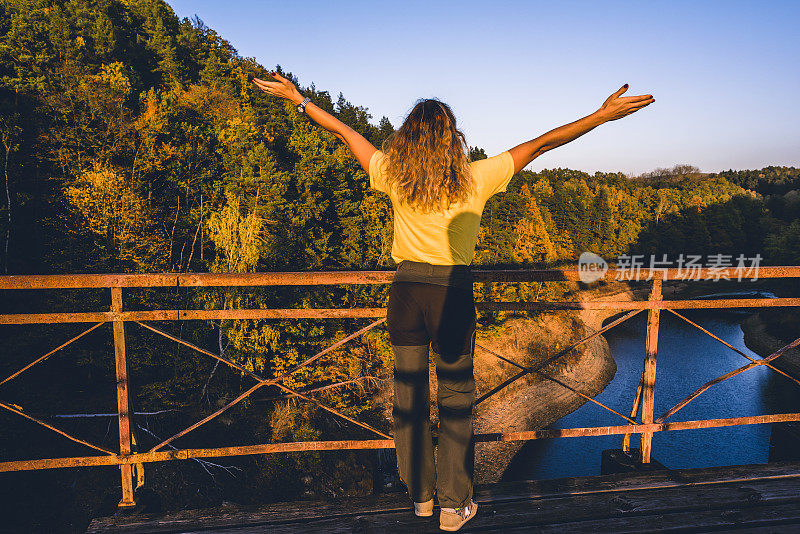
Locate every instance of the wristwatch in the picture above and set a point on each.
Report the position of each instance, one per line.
(301, 107)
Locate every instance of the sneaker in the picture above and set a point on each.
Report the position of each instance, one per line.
(424, 509)
(452, 519)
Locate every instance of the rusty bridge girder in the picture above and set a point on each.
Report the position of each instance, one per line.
(128, 460)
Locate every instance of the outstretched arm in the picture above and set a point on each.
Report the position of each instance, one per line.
(615, 107)
(360, 147)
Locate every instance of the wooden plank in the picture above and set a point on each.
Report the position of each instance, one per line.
(336, 313)
(53, 318)
(545, 489)
(310, 278)
(649, 373)
(657, 511)
(640, 304)
(123, 411)
(780, 518)
(624, 429)
(637, 400)
(85, 281)
(788, 528)
(549, 499)
(284, 313)
(531, 489)
(303, 446)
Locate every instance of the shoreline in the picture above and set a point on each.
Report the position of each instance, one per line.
(538, 402)
(534, 402)
(757, 339)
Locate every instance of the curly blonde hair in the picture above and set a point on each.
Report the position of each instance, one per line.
(428, 159)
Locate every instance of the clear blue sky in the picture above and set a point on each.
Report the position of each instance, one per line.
(724, 74)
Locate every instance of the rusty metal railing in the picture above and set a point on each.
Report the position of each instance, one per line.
(128, 460)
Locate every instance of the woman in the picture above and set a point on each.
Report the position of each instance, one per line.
(438, 197)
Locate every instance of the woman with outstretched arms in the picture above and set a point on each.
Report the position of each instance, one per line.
(438, 196)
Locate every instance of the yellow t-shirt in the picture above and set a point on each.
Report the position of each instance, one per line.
(447, 237)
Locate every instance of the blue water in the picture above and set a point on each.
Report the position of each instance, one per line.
(687, 358)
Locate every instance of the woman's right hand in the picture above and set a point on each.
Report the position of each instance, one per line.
(283, 88)
(616, 106)
(358, 145)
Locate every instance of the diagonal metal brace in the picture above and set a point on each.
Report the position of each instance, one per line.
(724, 377)
(265, 382)
(557, 381)
(787, 375)
(11, 408)
(45, 356)
(558, 355)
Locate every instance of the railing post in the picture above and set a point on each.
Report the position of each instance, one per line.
(122, 398)
(637, 400)
(649, 374)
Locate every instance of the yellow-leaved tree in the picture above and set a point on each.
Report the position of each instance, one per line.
(115, 211)
(236, 236)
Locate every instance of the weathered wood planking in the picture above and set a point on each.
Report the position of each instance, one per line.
(777, 519)
(711, 498)
(659, 509)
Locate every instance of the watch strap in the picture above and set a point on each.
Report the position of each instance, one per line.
(301, 107)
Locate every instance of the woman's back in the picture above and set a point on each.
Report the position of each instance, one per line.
(442, 237)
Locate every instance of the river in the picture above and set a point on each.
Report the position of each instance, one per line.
(687, 358)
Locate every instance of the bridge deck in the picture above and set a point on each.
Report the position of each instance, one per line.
(753, 498)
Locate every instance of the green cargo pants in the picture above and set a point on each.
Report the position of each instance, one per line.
(421, 316)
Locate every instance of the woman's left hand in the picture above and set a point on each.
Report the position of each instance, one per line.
(617, 106)
(282, 88)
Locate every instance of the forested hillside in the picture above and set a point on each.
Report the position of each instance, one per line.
(133, 141)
